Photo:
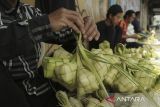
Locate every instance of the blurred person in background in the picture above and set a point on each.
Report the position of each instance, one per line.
(136, 23)
(127, 27)
(108, 28)
(129, 35)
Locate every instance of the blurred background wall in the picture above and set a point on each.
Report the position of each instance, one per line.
(32, 2)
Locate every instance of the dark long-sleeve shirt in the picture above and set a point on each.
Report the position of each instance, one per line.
(136, 25)
(21, 33)
(109, 33)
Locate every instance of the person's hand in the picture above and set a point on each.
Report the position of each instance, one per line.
(91, 31)
(66, 18)
(139, 36)
(136, 36)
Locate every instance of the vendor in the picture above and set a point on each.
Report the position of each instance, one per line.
(22, 29)
(136, 23)
(127, 27)
(108, 28)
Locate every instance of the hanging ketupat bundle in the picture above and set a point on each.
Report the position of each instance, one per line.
(84, 57)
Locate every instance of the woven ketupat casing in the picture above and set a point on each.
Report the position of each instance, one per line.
(49, 65)
(66, 74)
(110, 76)
(146, 80)
(124, 84)
(86, 82)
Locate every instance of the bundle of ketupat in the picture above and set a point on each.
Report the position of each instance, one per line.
(140, 69)
(145, 52)
(75, 71)
(145, 79)
(91, 69)
(133, 83)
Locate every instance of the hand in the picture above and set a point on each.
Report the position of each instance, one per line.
(136, 36)
(66, 18)
(91, 31)
(139, 36)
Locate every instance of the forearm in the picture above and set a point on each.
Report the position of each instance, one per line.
(41, 31)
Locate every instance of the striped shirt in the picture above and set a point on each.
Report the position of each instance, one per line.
(23, 68)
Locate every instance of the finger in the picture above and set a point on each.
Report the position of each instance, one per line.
(77, 22)
(97, 36)
(71, 25)
(91, 29)
(88, 23)
(70, 12)
(90, 38)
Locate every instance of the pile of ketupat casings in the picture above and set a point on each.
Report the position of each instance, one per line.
(88, 74)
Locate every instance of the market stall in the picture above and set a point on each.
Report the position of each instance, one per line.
(91, 76)
(104, 77)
